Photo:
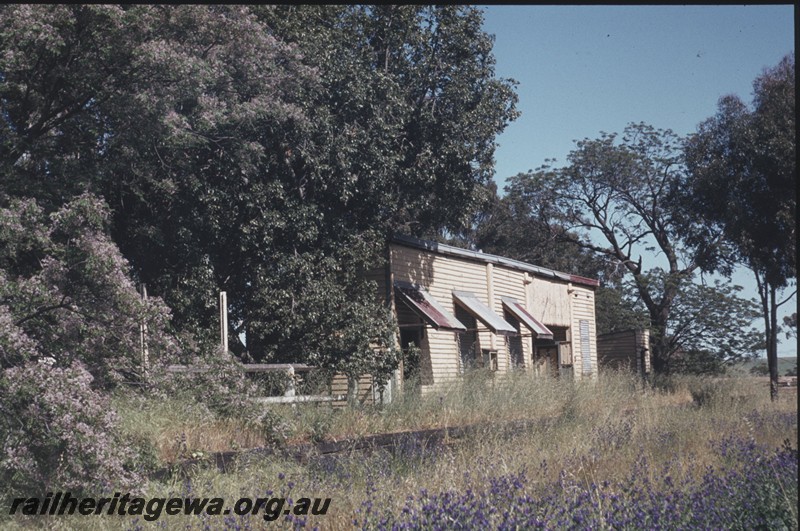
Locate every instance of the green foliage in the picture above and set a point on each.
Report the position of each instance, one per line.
(523, 226)
(223, 387)
(617, 309)
(790, 325)
(262, 150)
(711, 325)
(742, 163)
(519, 225)
(743, 167)
(614, 204)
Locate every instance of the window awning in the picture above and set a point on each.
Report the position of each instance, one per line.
(483, 313)
(519, 311)
(428, 308)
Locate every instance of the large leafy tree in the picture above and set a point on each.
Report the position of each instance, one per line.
(265, 151)
(615, 198)
(744, 183)
(520, 225)
(163, 111)
(709, 325)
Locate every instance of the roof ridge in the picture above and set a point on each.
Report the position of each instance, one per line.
(443, 248)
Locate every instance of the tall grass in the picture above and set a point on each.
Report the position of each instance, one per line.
(595, 441)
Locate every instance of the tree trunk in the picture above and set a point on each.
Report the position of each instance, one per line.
(769, 308)
(772, 344)
(659, 317)
(659, 340)
(659, 344)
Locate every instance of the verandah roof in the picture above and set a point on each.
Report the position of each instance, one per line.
(483, 313)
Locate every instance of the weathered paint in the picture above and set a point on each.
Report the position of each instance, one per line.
(427, 307)
(555, 300)
(518, 310)
(443, 249)
(483, 313)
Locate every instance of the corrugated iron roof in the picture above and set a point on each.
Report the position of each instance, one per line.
(520, 312)
(427, 307)
(445, 249)
(483, 313)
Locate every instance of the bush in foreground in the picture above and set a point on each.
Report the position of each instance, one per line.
(57, 433)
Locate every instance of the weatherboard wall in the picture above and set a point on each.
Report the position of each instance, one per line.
(511, 283)
(551, 301)
(581, 303)
(623, 350)
(440, 276)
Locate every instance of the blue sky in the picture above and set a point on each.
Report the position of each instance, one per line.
(586, 69)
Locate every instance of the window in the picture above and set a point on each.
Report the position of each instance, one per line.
(468, 345)
(514, 342)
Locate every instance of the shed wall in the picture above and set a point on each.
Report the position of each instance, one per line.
(581, 301)
(622, 350)
(554, 303)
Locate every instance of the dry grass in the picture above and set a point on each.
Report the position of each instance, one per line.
(179, 429)
(598, 431)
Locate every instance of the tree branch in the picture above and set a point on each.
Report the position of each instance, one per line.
(44, 309)
(784, 301)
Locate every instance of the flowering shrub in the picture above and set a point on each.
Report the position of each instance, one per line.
(57, 433)
(66, 294)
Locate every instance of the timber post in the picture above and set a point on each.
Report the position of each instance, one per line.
(352, 391)
(290, 389)
(143, 337)
(223, 322)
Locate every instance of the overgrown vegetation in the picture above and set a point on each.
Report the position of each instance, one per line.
(269, 151)
(687, 453)
(265, 151)
(60, 434)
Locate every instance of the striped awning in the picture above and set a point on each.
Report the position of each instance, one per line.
(483, 313)
(518, 310)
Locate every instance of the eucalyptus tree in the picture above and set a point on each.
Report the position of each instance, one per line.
(616, 198)
(744, 183)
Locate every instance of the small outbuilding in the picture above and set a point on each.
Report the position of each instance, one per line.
(628, 350)
(459, 309)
